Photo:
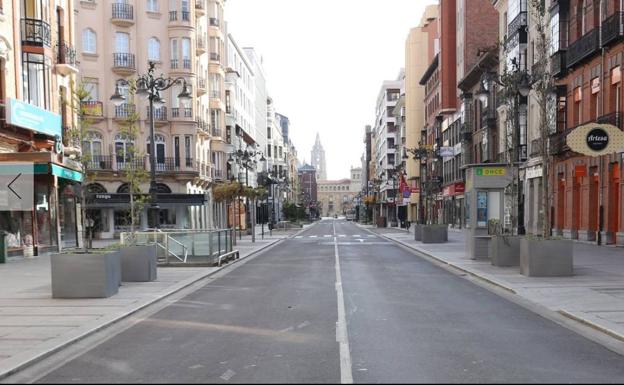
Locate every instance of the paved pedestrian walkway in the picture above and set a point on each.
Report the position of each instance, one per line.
(33, 324)
(594, 295)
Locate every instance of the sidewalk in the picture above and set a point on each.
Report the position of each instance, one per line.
(33, 325)
(593, 296)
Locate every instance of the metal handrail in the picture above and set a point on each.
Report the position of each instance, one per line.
(184, 248)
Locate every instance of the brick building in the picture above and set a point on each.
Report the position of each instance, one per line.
(587, 192)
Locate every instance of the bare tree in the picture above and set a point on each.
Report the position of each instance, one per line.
(543, 87)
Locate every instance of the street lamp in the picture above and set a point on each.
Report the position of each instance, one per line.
(150, 87)
(516, 85)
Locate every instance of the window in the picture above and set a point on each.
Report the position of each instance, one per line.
(173, 54)
(89, 44)
(215, 119)
(269, 135)
(123, 150)
(186, 52)
(36, 79)
(152, 5)
(160, 149)
(153, 49)
(91, 86)
(122, 42)
(92, 145)
(187, 150)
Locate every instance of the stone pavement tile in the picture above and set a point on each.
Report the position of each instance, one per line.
(52, 311)
(36, 333)
(30, 320)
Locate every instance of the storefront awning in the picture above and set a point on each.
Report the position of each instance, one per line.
(60, 171)
(122, 200)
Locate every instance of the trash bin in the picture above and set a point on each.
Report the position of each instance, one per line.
(3, 246)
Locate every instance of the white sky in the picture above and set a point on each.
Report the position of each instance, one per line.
(325, 61)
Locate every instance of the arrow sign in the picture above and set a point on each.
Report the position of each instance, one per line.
(17, 187)
(9, 185)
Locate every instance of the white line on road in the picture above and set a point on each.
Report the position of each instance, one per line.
(313, 236)
(342, 235)
(342, 335)
(328, 236)
(299, 236)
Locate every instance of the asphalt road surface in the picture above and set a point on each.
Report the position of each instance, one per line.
(339, 304)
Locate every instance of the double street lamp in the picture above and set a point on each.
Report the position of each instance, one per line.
(149, 86)
(515, 88)
(428, 185)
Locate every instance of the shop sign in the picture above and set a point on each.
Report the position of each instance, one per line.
(447, 152)
(457, 149)
(595, 139)
(491, 171)
(616, 75)
(66, 173)
(447, 191)
(415, 190)
(460, 188)
(580, 170)
(33, 118)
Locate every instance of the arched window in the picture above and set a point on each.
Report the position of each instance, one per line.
(122, 42)
(123, 150)
(96, 188)
(89, 43)
(163, 188)
(92, 148)
(153, 49)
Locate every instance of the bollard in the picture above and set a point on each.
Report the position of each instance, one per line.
(3, 246)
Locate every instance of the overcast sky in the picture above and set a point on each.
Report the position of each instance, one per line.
(325, 61)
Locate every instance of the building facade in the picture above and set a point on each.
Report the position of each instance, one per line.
(38, 71)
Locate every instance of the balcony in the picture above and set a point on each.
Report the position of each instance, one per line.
(66, 63)
(215, 56)
(612, 28)
(200, 45)
(174, 64)
(186, 16)
(186, 64)
(122, 14)
(217, 174)
(167, 164)
(583, 48)
(173, 15)
(160, 115)
(200, 7)
(92, 109)
(215, 94)
(131, 164)
(125, 111)
(213, 22)
(201, 86)
(100, 162)
(123, 63)
(518, 24)
(558, 63)
(202, 126)
(35, 32)
(216, 132)
(177, 112)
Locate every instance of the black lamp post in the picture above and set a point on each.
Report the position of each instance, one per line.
(150, 87)
(246, 159)
(516, 85)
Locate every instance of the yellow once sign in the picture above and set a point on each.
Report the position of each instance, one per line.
(491, 171)
(596, 139)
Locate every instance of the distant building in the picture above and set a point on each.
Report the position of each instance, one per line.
(307, 185)
(318, 159)
(338, 196)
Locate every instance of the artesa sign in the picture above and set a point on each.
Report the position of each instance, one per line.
(596, 139)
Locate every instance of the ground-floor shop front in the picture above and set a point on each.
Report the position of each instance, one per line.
(52, 222)
(588, 199)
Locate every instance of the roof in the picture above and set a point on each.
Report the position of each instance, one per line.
(432, 67)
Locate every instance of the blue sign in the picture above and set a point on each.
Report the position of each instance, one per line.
(26, 115)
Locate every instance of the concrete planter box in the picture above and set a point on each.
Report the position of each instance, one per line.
(418, 232)
(87, 275)
(138, 263)
(505, 250)
(546, 258)
(434, 233)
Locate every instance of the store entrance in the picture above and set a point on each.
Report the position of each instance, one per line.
(67, 216)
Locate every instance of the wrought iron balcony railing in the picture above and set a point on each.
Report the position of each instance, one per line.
(583, 48)
(66, 54)
(92, 108)
(123, 11)
(100, 162)
(125, 110)
(558, 63)
(35, 32)
(160, 114)
(124, 60)
(612, 28)
(518, 23)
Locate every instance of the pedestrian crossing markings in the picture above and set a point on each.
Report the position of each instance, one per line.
(338, 235)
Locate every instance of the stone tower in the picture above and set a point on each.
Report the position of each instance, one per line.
(318, 159)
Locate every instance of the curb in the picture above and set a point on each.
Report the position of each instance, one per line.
(499, 285)
(43, 355)
(592, 325)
